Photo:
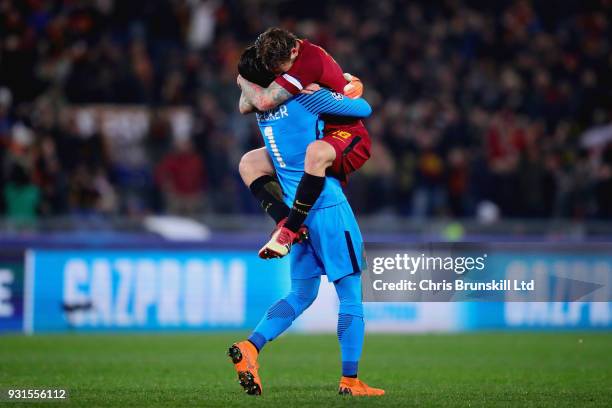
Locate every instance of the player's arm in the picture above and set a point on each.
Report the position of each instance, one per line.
(244, 106)
(284, 86)
(353, 89)
(331, 103)
(263, 99)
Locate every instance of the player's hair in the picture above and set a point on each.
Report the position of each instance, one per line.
(274, 46)
(252, 69)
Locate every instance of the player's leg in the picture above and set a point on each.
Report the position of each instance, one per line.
(254, 164)
(339, 248)
(257, 172)
(350, 322)
(350, 335)
(277, 319)
(306, 270)
(319, 156)
(339, 153)
(279, 316)
(305, 278)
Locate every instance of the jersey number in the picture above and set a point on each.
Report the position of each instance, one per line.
(269, 133)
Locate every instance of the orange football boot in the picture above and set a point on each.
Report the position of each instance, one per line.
(244, 357)
(357, 388)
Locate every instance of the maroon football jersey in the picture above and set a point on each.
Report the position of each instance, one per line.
(314, 65)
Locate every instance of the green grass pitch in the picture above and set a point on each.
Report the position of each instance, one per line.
(180, 370)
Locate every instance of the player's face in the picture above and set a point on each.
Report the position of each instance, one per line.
(286, 66)
(282, 68)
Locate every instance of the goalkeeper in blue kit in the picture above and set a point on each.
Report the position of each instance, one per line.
(334, 243)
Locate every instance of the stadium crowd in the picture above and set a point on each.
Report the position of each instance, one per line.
(497, 105)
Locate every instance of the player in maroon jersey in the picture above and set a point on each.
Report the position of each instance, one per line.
(344, 147)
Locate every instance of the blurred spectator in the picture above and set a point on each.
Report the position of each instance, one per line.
(21, 196)
(91, 194)
(182, 180)
(49, 177)
(202, 23)
(603, 188)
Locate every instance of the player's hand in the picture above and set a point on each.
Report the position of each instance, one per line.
(354, 88)
(310, 89)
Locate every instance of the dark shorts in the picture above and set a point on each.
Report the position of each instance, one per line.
(352, 146)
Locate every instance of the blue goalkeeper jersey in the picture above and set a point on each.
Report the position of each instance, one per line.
(289, 128)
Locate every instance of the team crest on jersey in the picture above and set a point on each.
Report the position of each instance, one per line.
(337, 96)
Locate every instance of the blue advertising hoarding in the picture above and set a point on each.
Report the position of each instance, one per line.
(536, 316)
(11, 290)
(580, 271)
(176, 289)
(150, 290)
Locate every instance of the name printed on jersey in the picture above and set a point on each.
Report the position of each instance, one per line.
(273, 114)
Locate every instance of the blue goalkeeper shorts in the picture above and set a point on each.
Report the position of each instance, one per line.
(335, 246)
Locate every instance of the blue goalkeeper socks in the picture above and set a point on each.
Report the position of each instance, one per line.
(351, 327)
(277, 319)
(350, 336)
(280, 315)
(258, 340)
